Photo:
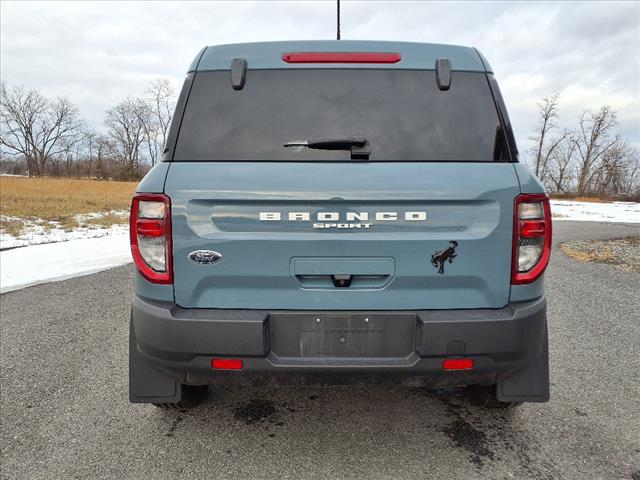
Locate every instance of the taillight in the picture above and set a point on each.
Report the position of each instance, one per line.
(150, 233)
(531, 237)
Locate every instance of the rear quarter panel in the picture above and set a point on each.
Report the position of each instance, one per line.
(153, 182)
(529, 183)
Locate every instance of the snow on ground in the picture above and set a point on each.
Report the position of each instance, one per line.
(22, 267)
(624, 212)
(39, 231)
(53, 254)
(45, 252)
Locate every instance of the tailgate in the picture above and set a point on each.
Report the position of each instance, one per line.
(342, 236)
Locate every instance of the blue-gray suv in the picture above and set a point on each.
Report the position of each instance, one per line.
(333, 212)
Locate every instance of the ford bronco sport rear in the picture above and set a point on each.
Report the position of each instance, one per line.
(338, 212)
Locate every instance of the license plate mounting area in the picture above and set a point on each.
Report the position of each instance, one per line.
(332, 334)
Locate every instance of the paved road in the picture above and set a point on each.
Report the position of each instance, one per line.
(65, 412)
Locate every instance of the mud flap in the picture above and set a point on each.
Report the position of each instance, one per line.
(530, 384)
(147, 384)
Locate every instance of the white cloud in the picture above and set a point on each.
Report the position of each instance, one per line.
(582, 97)
(97, 53)
(523, 83)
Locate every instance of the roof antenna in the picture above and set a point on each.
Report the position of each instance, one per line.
(338, 32)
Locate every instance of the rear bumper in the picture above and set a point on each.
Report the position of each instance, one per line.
(302, 347)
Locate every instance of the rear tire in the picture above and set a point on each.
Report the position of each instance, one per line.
(484, 396)
(192, 396)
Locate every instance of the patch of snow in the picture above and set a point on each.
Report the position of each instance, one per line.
(35, 264)
(622, 212)
(37, 232)
(83, 217)
(11, 175)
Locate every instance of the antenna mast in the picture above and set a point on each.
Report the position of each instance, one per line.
(338, 31)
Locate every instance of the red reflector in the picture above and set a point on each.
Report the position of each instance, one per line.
(227, 364)
(457, 364)
(532, 228)
(341, 57)
(150, 228)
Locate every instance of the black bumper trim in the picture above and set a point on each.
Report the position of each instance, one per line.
(171, 346)
(167, 330)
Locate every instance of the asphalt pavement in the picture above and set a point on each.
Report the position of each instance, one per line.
(65, 413)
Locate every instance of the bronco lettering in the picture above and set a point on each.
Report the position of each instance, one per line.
(420, 216)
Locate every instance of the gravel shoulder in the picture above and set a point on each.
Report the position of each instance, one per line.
(65, 414)
(624, 253)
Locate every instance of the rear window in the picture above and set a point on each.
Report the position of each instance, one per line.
(402, 114)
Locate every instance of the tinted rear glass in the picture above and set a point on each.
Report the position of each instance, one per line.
(402, 113)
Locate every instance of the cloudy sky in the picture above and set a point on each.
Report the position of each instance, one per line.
(97, 53)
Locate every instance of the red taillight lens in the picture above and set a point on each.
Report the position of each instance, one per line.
(457, 364)
(532, 228)
(227, 364)
(531, 238)
(341, 57)
(150, 235)
(150, 228)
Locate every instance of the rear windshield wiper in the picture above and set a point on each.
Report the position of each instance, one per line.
(359, 147)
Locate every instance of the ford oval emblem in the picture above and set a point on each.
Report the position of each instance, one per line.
(205, 257)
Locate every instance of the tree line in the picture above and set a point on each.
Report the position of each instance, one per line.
(590, 159)
(39, 136)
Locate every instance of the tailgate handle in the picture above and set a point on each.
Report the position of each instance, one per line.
(343, 272)
(343, 281)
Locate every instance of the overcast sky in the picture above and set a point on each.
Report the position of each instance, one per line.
(97, 53)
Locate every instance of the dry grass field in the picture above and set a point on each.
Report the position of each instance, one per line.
(57, 201)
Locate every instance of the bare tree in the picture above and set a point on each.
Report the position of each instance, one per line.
(550, 150)
(561, 163)
(161, 98)
(593, 142)
(19, 112)
(104, 147)
(87, 150)
(632, 184)
(547, 116)
(155, 111)
(618, 163)
(127, 130)
(149, 127)
(34, 127)
(593, 159)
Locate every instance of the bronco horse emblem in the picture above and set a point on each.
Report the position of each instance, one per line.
(439, 258)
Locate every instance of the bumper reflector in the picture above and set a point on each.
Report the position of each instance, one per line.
(457, 364)
(227, 364)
